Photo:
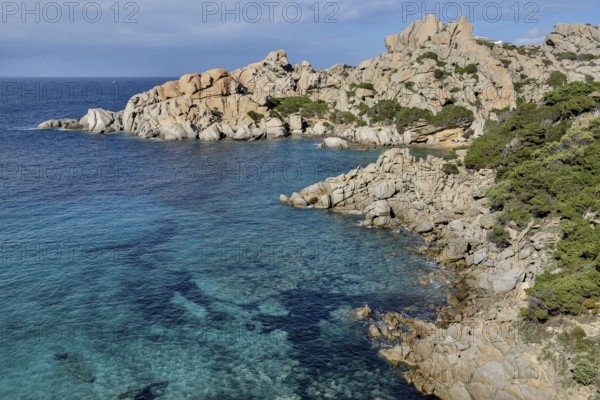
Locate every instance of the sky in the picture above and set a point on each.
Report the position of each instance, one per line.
(122, 38)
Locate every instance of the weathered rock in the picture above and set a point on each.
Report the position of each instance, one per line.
(212, 134)
(335, 143)
(363, 312)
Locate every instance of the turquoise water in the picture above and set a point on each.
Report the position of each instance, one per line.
(128, 262)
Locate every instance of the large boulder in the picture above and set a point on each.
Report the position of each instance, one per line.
(212, 134)
(335, 143)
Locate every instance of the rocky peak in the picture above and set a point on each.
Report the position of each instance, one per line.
(576, 38)
(430, 30)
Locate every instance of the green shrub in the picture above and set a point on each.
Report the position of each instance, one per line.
(450, 169)
(546, 62)
(429, 55)
(342, 117)
(566, 293)
(570, 91)
(567, 55)
(384, 111)
(520, 85)
(440, 74)
(407, 116)
(469, 69)
(308, 108)
(586, 57)
(557, 79)
(541, 315)
(452, 116)
(585, 372)
(409, 85)
(486, 43)
(578, 333)
(256, 117)
(500, 194)
(468, 133)
(499, 236)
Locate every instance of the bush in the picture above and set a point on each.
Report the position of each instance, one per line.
(499, 236)
(384, 111)
(567, 55)
(586, 57)
(308, 108)
(407, 116)
(256, 117)
(440, 74)
(469, 69)
(541, 315)
(499, 194)
(570, 91)
(566, 293)
(585, 372)
(342, 117)
(450, 169)
(486, 43)
(452, 116)
(429, 55)
(557, 79)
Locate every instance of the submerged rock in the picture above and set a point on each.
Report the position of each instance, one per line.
(146, 392)
(76, 367)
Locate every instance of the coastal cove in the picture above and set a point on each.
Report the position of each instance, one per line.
(423, 223)
(130, 263)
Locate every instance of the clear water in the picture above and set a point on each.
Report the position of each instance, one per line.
(146, 261)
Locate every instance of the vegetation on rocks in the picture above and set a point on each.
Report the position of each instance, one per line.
(308, 108)
(469, 69)
(256, 117)
(546, 167)
(499, 236)
(557, 79)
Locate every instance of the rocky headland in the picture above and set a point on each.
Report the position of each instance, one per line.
(428, 66)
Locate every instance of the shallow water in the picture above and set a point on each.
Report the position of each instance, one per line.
(144, 261)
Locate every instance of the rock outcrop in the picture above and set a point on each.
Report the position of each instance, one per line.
(475, 349)
(428, 65)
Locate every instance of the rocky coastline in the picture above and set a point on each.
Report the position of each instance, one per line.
(475, 350)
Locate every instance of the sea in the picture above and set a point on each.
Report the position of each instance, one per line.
(143, 269)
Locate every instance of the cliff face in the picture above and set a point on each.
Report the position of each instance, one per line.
(475, 350)
(428, 65)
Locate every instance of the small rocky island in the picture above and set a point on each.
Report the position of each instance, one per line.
(512, 212)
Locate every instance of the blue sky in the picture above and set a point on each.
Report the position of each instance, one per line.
(156, 38)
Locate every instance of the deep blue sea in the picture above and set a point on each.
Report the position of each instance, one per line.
(126, 262)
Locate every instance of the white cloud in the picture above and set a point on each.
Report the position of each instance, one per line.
(534, 36)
